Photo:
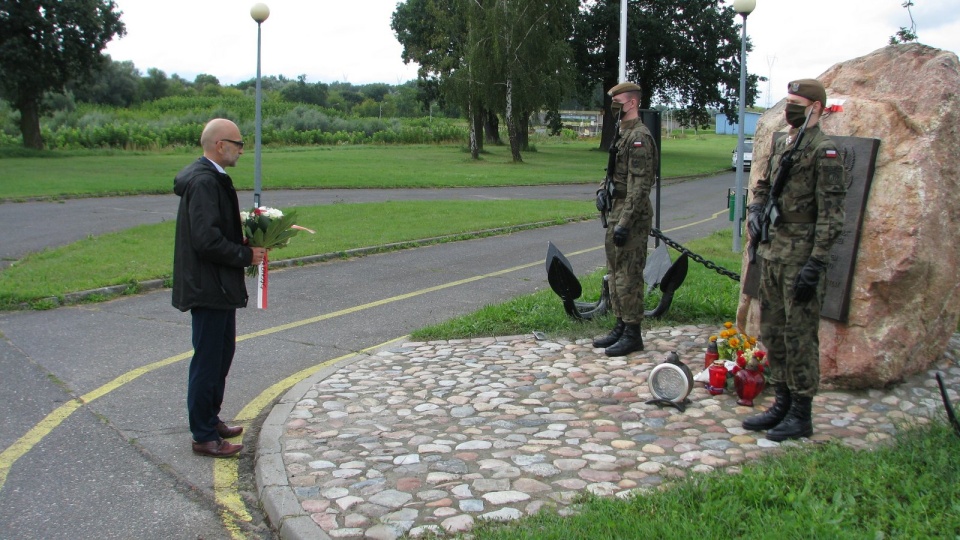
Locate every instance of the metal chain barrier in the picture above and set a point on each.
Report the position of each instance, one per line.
(709, 264)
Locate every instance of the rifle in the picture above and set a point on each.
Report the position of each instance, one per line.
(605, 193)
(771, 211)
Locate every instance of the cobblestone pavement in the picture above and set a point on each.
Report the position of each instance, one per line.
(438, 435)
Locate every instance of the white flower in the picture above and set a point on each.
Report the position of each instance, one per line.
(244, 216)
(272, 213)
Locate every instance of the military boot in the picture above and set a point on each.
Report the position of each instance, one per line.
(797, 423)
(774, 415)
(612, 337)
(629, 342)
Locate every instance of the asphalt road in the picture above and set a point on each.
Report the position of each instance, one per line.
(93, 435)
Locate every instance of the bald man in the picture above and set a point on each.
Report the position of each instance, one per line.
(208, 261)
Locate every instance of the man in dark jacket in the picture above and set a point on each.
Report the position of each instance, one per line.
(208, 261)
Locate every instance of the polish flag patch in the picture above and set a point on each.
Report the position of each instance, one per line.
(638, 144)
(831, 154)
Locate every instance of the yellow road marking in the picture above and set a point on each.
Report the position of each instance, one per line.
(226, 474)
(24, 444)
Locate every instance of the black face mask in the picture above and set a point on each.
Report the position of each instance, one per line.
(616, 108)
(796, 114)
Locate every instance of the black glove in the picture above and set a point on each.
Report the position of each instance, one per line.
(805, 286)
(620, 235)
(602, 200)
(753, 222)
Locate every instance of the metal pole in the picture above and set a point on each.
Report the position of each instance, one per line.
(623, 41)
(738, 192)
(256, 154)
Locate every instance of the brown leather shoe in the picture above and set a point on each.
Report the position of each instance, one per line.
(219, 448)
(228, 432)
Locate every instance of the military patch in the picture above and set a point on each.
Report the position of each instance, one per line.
(830, 154)
(638, 143)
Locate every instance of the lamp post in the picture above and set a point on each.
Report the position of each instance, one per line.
(259, 12)
(623, 41)
(744, 8)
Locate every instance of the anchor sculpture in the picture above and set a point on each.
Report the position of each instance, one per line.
(657, 272)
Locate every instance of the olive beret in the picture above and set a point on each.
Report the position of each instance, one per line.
(811, 89)
(623, 87)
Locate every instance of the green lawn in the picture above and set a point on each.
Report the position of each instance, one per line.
(146, 252)
(143, 253)
(93, 173)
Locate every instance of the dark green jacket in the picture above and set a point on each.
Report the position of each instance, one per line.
(812, 200)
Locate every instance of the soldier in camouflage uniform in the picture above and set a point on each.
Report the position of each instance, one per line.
(631, 218)
(795, 259)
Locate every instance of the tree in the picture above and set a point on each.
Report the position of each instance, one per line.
(302, 92)
(519, 52)
(155, 85)
(436, 34)
(505, 56)
(116, 83)
(45, 44)
(678, 51)
(906, 35)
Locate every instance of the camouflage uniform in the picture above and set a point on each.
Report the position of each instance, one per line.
(812, 208)
(635, 173)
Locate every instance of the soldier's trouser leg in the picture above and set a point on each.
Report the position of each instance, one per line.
(625, 265)
(789, 330)
(792, 330)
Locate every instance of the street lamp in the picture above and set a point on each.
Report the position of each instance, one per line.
(259, 12)
(744, 8)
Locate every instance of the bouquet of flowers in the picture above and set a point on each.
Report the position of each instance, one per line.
(739, 351)
(731, 342)
(268, 228)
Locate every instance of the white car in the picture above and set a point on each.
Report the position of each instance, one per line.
(747, 155)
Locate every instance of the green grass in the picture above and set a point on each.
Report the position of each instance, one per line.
(146, 252)
(705, 297)
(31, 175)
(909, 489)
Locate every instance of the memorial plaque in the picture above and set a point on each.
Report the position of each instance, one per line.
(859, 158)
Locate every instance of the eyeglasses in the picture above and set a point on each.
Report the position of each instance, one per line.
(238, 143)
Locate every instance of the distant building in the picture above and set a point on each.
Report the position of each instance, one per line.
(726, 127)
(585, 123)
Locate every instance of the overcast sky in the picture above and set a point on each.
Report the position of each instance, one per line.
(351, 41)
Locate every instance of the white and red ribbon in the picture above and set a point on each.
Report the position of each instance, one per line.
(262, 283)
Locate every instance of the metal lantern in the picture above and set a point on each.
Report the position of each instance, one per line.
(670, 383)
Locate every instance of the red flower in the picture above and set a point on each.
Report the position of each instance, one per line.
(741, 361)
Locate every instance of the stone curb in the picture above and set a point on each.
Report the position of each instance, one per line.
(273, 488)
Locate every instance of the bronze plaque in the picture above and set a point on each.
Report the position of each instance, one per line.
(859, 158)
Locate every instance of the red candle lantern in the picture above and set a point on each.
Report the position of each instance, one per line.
(711, 355)
(748, 383)
(718, 377)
